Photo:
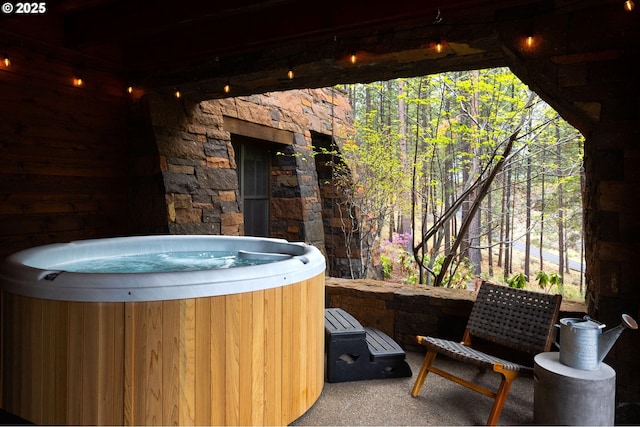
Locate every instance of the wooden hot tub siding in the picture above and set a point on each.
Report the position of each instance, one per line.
(255, 358)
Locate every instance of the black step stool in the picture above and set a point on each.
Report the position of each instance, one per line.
(360, 353)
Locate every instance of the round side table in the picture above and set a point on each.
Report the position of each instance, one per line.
(568, 396)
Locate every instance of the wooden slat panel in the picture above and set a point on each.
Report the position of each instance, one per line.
(32, 353)
(79, 168)
(171, 336)
(273, 356)
(13, 152)
(316, 311)
(152, 357)
(288, 352)
(11, 367)
(232, 361)
(12, 362)
(130, 353)
(218, 364)
(245, 343)
(298, 341)
(90, 373)
(60, 322)
(50, 336)
(110, 363)
(141, 360)
(258, 348)
(45, 185)
(74, 379)
(187, 362)
(203, 358)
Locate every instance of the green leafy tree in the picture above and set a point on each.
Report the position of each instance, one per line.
(444, 135)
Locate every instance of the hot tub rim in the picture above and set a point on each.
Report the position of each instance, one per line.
(49, 283)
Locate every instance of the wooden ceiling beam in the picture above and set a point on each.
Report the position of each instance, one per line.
(199, 30)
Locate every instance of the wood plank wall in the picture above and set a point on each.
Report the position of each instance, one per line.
(63, 152)
(246, 359)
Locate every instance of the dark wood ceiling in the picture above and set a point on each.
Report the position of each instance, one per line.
(200, 45)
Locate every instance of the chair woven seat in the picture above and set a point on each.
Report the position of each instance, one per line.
(467, 354)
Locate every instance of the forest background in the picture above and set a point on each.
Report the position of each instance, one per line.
(459, 176)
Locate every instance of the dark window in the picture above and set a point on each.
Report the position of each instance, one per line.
(254, 165)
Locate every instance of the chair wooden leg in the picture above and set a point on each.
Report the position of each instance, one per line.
(424, 370)
(501, 396)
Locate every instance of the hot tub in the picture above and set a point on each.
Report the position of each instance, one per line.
(227, 346)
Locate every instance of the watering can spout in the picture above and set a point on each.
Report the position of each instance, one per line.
(608, 338)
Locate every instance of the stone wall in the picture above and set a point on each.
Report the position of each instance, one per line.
(190, 144)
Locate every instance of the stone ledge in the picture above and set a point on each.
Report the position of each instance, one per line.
(404, 311)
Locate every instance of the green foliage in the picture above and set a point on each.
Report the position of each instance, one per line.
(387, 266)
(518, 280)
(549, 279)
(454, 124)
(543, 279)
(555, 279)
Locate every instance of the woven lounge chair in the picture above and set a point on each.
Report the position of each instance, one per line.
(514, 318)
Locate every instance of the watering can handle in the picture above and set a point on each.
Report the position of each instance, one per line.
(555, 335)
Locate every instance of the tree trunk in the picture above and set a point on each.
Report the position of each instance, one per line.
(542, 207)
(507, 225)
(490, 234)
(527, 249)
(449, 184)
(503, 206)
(473, 235)
(561, 249)
(404, 226)
(473, 209)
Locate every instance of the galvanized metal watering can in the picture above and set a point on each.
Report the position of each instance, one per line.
(583, 344)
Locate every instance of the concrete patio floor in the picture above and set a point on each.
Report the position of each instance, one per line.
(388, 402)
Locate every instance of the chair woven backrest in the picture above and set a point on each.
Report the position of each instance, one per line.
(516, 318)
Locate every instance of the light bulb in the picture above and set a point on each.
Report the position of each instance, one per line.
(6, 60)
(629, 5)
(78, 81)
(353, 58)
(438, 46)
(227, 88)
(130, 89)
(178, 94)
(529, 41)
(290, 74)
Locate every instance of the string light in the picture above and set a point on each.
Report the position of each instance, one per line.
(290, 73)
(438, 19)
(439, 46)
(629, 5)
(529, 41)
